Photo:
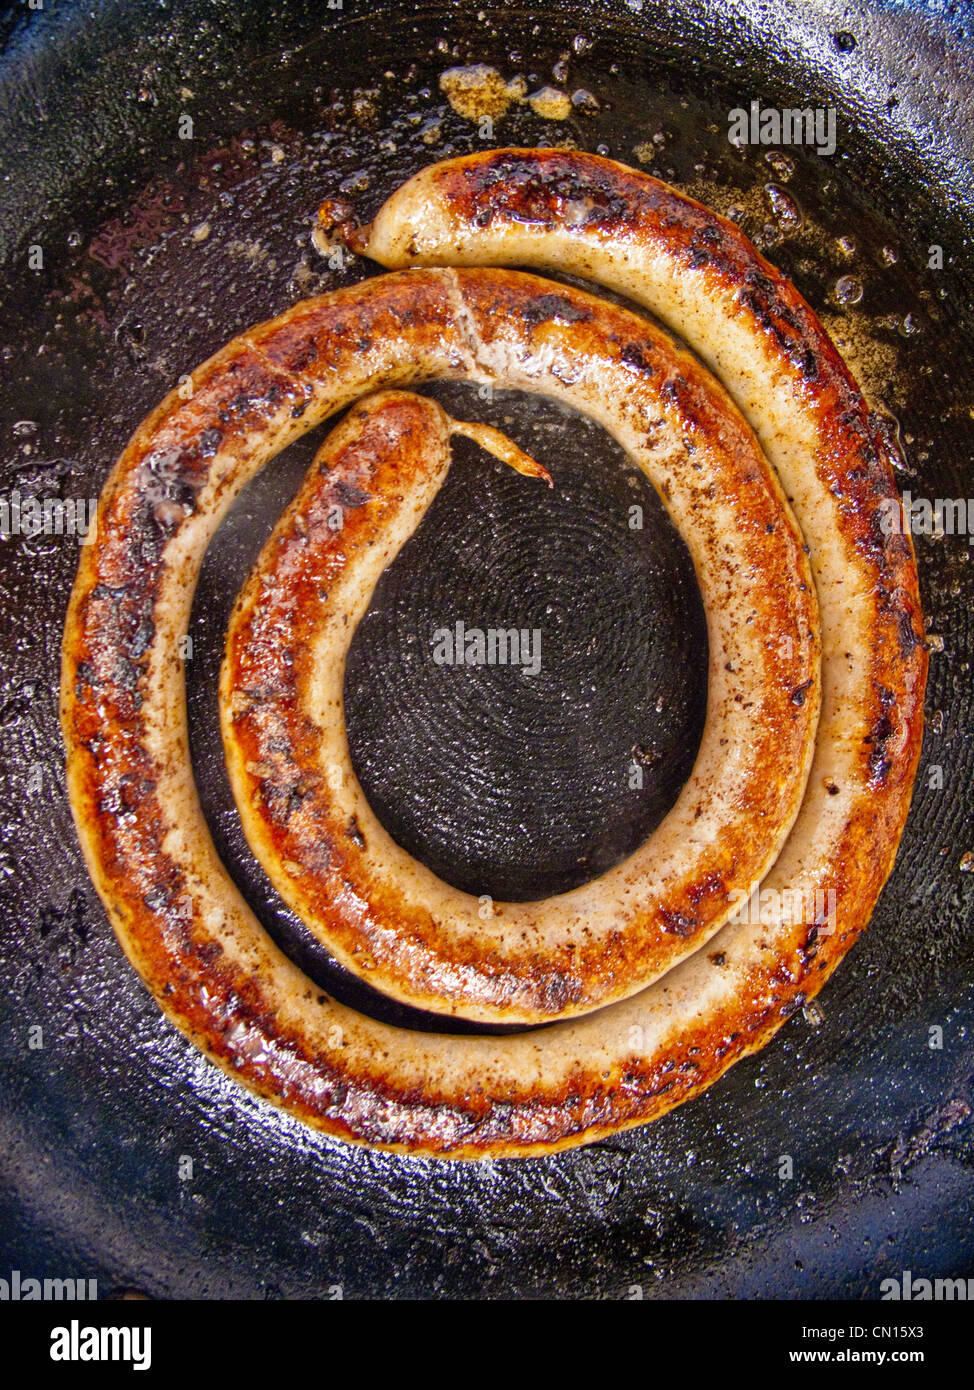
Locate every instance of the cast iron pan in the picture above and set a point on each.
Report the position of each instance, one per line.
(126, 1156)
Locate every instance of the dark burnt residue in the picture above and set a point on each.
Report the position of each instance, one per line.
(678, 923)
(792, 1005)
(546, 308)
(785, 322)
(542, 189)
(808, 949)
(349, 495)
(879, 737)
(637, 355)
(909, 639)
(210, 441)
(246, 401)
(705, 887)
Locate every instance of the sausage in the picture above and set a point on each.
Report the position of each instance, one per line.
(179, 918)
(374, 907)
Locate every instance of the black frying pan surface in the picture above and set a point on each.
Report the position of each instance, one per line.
(158, 249)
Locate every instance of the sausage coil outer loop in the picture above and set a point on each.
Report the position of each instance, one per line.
(179, 917)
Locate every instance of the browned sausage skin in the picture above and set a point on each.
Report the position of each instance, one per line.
(178, 916)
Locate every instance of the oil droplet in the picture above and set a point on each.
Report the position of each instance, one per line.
(848, 290)
(787, 213)
(967, 863)
(585, 103)
(781, 163)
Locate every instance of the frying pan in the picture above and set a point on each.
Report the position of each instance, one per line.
(126, 1156)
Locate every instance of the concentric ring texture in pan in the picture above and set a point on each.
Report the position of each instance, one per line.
(156, 250)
